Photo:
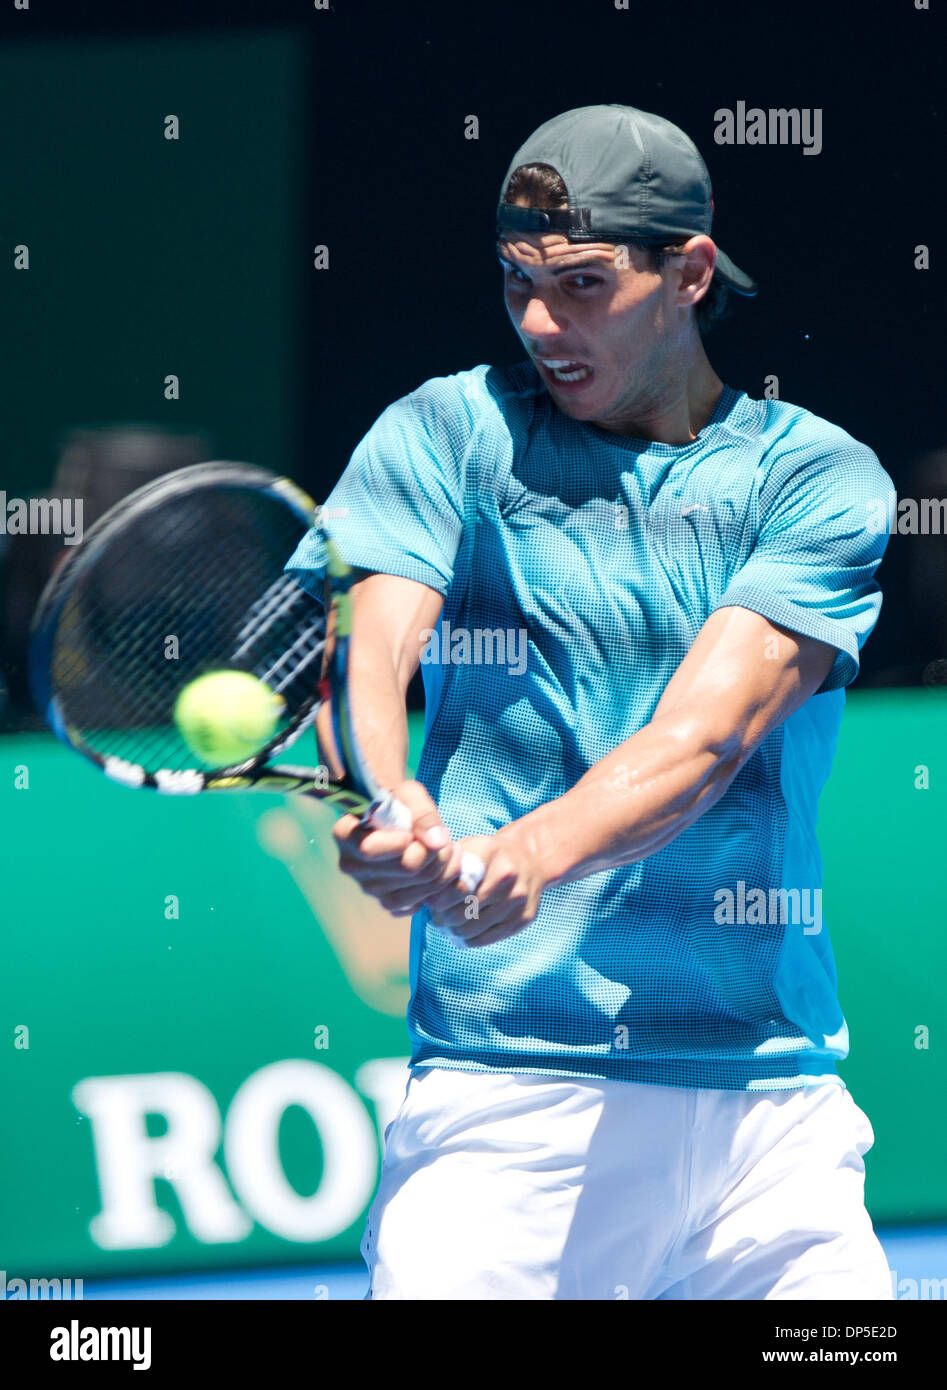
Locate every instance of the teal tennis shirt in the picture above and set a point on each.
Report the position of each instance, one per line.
(577, 567)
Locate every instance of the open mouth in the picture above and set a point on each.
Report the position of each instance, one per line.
(566, 371)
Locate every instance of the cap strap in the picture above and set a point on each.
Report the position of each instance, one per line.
(571, 221)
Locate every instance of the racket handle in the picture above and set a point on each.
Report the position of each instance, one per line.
(387, 813)
(472, 870)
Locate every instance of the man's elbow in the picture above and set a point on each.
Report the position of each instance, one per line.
(717, 740)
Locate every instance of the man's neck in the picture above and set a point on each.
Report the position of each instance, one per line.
(675, 417)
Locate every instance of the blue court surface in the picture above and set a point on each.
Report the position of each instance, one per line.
(917, 1257)
(299, 1282)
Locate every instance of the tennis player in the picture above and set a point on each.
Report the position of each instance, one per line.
(637, 596)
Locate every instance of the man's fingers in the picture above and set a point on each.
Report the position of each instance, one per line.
(400, 867)
(492, 935)
(453, 901)
(505, 919)
(359, 842)
(426, 822)
(386, 874)
(418, 858)
(407, 896)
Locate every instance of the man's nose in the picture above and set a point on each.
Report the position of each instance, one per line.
(537, 322)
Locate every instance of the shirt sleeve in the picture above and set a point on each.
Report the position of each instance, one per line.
(819, 544)
(399, 506)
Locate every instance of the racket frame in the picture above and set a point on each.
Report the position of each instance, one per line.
(358, 793)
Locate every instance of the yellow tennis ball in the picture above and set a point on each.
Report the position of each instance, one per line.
(227, 716)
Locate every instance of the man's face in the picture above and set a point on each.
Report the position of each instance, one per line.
(600, 326)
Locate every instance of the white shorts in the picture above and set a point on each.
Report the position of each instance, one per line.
(533, 1187)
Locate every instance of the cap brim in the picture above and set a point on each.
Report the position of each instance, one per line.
(733, 276)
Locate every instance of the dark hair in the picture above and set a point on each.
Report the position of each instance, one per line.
(542, 187)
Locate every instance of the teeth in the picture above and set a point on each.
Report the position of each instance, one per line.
(566, 370)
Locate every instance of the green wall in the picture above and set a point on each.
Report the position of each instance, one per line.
(885, 900)
(278, 984)
(151, 256)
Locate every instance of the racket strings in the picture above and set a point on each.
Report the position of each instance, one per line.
(296, 612)
(303, 658)
(192, 585)
(281, 597)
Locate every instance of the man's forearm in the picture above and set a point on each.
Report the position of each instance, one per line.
(388, 613)
(377, 706)
(631, 803)
(376, 701)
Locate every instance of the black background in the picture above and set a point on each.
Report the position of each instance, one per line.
(845, 322)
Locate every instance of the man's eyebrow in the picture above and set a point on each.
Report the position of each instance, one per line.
(597, 258)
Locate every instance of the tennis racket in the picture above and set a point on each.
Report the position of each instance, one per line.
(181, 578)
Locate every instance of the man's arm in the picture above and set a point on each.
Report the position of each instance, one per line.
(388, 614)
(741, 678)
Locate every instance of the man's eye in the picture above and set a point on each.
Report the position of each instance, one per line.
(517, 278)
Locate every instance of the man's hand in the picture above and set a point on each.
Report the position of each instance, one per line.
(400, 868)
(509, 893)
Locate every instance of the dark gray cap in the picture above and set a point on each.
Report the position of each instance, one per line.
(629, 175)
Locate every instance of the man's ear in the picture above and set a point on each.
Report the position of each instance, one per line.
(697, 264)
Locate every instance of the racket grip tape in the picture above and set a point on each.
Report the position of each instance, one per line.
(472, 870)
(387, 813)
